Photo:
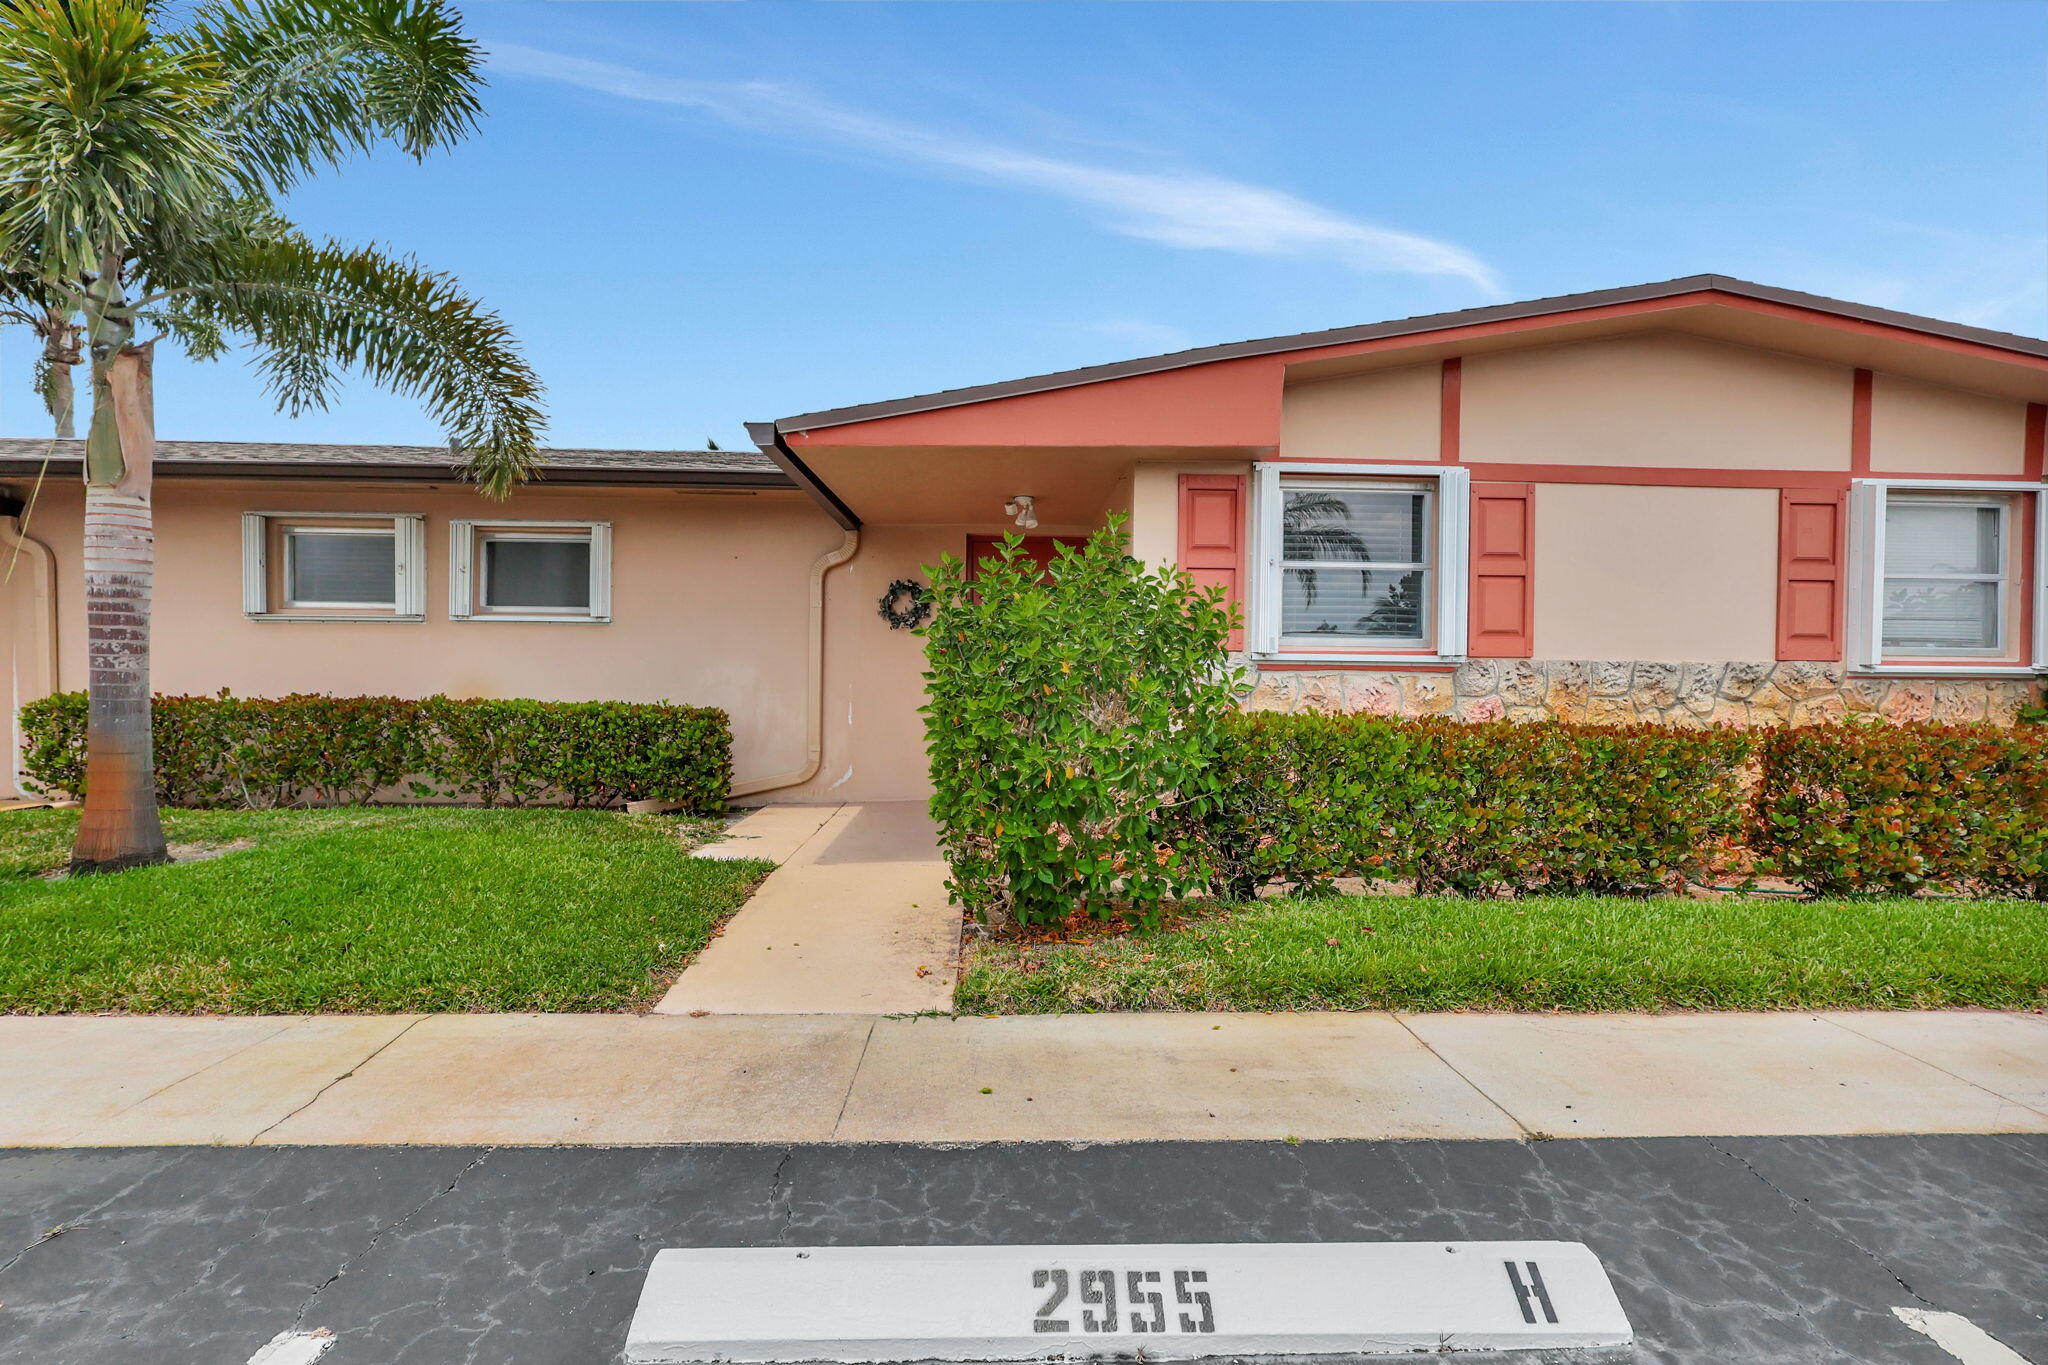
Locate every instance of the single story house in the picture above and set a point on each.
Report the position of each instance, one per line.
(1697, 501)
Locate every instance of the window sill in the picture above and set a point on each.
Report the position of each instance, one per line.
(340, 618)
(1435, 663)
(520, 618)
(1945, 671)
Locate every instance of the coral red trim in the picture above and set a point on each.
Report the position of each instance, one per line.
(1451, 412)
(1859, 422)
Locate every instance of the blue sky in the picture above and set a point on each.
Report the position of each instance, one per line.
(699, 214)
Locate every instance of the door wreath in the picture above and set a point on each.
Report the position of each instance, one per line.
(907, 604)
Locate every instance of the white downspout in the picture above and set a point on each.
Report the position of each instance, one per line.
(815, 722)
(40, 680)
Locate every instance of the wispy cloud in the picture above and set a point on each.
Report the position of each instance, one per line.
(1189, 209)
(1157, 337)
(1988, 279)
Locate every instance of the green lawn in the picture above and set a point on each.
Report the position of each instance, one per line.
(1553, 954)
(363, 910)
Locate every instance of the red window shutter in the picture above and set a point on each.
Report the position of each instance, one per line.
(1502, 612)
(1812, 527)
(1212, 535)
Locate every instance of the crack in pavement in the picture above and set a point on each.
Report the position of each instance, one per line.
(49, 1235)
(1528, 1134)
(381, 1233)
(73, 1224)
(374, 1053)
(1805, 1209)
(853, 1078)
(197, 1071)
(775, 1191)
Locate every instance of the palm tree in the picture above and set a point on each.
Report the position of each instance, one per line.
(141, 161)
(1315, 521)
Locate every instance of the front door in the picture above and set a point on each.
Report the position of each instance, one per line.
(1040, 550)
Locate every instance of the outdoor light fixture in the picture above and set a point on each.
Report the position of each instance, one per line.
(1024, 508)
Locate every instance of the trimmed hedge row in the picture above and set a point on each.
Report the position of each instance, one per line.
(1503, 808)
(1496, 808)
(314, 749)
(1897, 808)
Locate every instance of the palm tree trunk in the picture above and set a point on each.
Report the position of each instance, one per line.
(62, 403)
(62, 352)
(120, 828)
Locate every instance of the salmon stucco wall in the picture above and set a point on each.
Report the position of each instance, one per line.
(1661, 400)
(1645, 572)
(1389, 415)
(1919, 428)
(710, 600)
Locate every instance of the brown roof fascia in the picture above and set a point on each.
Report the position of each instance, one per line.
(1434, 322)
(775, 448)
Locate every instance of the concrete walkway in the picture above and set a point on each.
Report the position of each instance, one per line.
(854, 921)
(624, 1079)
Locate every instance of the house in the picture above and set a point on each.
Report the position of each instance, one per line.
(1697, 501)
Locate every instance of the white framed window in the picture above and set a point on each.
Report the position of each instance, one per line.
(333, 566)
(1947, 577)
(1360, 562)
(529, 570)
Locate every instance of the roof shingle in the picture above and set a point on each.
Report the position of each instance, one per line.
(743, 467)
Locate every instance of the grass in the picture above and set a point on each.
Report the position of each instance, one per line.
(371, 910)
(1543, 954)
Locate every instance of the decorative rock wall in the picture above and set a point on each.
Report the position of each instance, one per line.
(1618, 691)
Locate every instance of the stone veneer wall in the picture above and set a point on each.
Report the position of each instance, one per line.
(1617, 691)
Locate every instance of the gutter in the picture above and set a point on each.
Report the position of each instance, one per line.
(775, 448)
(772, 446)
(768, 436)
(814, 721)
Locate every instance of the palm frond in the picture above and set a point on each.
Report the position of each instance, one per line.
(103, 130)
(314, 310)
(311, 84)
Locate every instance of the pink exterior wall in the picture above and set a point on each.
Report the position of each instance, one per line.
(709, 606)
(1660, 400)
(1656, 573)
(1392, 415)
(1920, 428)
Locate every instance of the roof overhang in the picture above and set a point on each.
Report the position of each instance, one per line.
(1224, 402)
(753, 480)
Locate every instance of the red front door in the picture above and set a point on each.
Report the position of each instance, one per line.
(1040, 550)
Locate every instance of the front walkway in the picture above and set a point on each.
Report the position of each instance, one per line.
(854, 921)
(625, 1079)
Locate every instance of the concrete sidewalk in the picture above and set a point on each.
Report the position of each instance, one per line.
(623, 1079)
(854, 921)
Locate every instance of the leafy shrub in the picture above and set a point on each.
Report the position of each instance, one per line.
(1892, 808)
(1488, 809)
(308, 749)
(1072, 720)
(1306, 799)
(1504, 808)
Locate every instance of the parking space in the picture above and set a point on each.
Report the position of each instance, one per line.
(1723, 1250)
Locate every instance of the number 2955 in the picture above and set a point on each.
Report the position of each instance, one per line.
(1127, 1300)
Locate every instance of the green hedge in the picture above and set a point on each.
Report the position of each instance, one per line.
(311, 749)
(1894, 808)
(1489, 809)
